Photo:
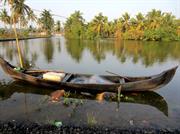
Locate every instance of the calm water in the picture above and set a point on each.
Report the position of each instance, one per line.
(134, 58)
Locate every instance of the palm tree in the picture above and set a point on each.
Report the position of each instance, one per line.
(125, 20)
(168, 19)
(140, 21)
(46, 21)
(58, 26)
(4, 17)
(74, 26)
(19, 11)
(32, 17)
(22, 21)
(154, 19)
(10, 2)
(98, 24)
(118, 28)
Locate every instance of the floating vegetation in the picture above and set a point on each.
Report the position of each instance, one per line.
(71, 101)
(91, 120)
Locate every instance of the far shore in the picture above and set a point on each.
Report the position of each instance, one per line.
(24, 38)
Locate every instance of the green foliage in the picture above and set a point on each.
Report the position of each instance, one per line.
(4, 17)
(25, 33)
(133, 34)
(97, 28)
(2, 31)
(160, 34)
(74, 26)
(155, 26)
(58, 27)
(91, 120)
(46, 21)
(19, 13)
(74, 102)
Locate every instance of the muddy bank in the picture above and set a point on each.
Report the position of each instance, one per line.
(33, 111)
(29, 128)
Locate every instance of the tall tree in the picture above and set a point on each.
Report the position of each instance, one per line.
(140, 21)
(46, 21)
(74, 26)
(18, 10)
(98, 25)
(154, 18)
(125, 20)
(118, 28)
(4, 17)
(58, 27)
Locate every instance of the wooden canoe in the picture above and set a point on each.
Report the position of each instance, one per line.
(148, 83)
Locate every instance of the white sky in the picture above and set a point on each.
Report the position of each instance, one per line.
(111, 8)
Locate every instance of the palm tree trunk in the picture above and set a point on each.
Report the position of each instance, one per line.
(17, 44)
(98, 30)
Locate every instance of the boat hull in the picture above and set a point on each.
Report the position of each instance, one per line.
(148, 83)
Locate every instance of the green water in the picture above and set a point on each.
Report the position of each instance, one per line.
(133, 58)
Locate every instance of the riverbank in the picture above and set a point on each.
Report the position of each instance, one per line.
(24, 38)
(35, 128)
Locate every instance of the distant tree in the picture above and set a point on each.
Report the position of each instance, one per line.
(4, 17)
(98, 26)
(58, 26)
(140, 21)
(118, 28)
(74, 26)
(155, 25)
(125, 21)
(153, 19)
(46, 21)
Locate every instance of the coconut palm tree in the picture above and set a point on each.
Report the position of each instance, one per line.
(10, 2)
(125, 20)
(22, 22)
(58, 26)
(19, 11)
(74, 26)
(168, 19)
(47, 22)
(4, 17)
(32, 17)
(154, 19)
(140, 21)
(98, 24)
(118, 28)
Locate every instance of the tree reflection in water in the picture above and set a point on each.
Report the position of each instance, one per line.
(146, 98)
(146, 52)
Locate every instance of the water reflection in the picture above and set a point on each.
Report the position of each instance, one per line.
(147, 53)
(75, 48)
(146, 98)
(123, 57)
(48, 49)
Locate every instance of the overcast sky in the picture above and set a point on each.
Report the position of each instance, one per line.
(111, 8)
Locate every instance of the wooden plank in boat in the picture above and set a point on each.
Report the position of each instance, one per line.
(66, 78)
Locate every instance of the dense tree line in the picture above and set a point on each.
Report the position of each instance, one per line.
(155, 25)
(21, 17)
